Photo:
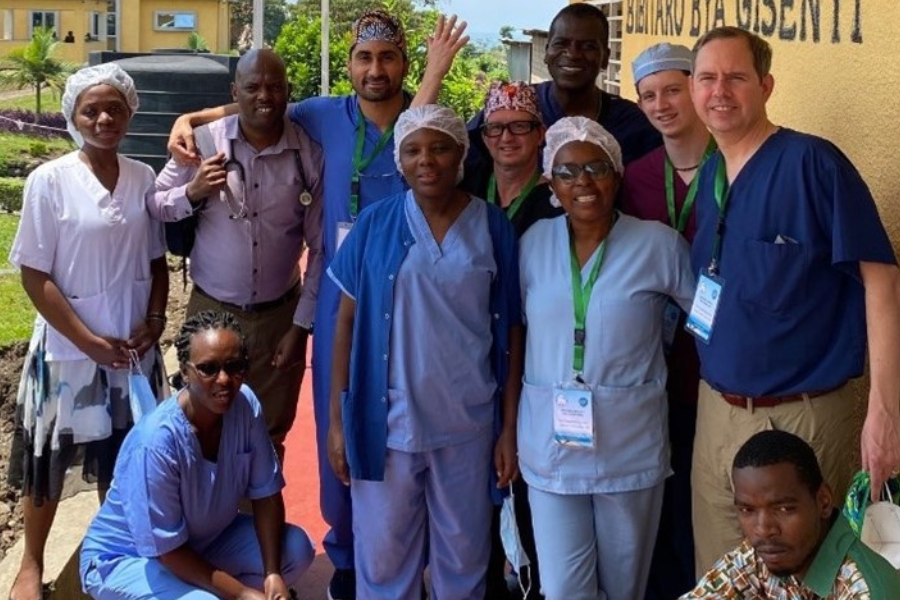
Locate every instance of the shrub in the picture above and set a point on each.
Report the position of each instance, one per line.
(10, 119)
(11, 190)
(38, 149)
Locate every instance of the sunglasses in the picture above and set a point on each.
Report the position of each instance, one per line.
(515, 127)
(570, 172)
(236, 367)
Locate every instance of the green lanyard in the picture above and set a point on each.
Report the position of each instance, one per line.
(721, 190)
(518, 200)
(680, 221)
(581, 296)
(360, 163)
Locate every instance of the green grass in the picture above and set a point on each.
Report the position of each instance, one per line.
(16, 311)
(50, 101)
(14, 146)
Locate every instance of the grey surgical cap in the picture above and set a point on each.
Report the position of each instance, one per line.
(580, 129)
(430, 116)
(109, 74)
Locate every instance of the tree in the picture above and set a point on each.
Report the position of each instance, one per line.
(299, 44)
(275, 14)
(506, 32)
(34, 65)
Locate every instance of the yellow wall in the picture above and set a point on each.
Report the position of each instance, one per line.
(72, 15)
(845, 86)
(140, 36)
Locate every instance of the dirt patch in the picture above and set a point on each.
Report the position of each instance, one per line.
(11, 361)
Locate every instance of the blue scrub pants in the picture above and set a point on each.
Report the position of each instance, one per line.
(334, 496)
(595, 546)
(431, 504)
(236, 551)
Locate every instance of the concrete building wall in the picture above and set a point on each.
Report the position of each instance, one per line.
(835, 68)
(72, 15)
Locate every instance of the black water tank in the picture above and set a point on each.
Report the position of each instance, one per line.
(169, 85)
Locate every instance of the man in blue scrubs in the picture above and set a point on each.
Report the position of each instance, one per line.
(797, 280)
(577, 50)
(356, 136)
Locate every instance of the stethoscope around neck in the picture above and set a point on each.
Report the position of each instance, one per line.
(231, 165)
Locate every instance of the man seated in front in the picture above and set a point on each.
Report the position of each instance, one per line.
(796, 544)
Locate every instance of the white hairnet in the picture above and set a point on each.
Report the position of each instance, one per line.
(108, 73)
(431, 116)
(580, 129)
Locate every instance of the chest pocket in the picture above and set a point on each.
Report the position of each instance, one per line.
(774, 275)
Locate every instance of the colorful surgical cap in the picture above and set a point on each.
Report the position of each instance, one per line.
(579, 129)
(109, 74)
(513, 95)
(430, 116)
(378, 26)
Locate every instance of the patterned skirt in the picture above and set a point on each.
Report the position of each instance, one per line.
(69, 411)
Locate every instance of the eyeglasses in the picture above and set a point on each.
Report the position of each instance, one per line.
(570, 172)
(515, 128)
(236, 367)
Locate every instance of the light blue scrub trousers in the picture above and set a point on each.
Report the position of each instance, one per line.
(595, 546)
(236, 551)
(439, 498)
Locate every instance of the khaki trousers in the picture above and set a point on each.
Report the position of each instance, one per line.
(278, 391)
(824, 421)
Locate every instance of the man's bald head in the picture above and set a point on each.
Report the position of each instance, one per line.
(256, 59)
(261, 90)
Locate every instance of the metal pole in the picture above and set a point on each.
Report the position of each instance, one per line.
(259, 9)
(326, 19)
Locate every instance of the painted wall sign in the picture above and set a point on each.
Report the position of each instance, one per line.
(834, 21)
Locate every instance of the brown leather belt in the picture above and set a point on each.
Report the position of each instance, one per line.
(770, 401)
(257, 307)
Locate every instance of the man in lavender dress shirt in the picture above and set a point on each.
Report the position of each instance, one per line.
(258, 201)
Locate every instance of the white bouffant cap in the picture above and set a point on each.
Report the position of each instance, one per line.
(430, 116)
(109, 74)
(579, 129)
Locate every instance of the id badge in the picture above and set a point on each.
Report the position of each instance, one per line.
(573, 416)
(702, 317)
(671, 316)
(343, 229)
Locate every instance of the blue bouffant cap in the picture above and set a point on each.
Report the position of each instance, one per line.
(662, 57)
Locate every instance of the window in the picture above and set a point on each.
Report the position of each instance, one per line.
(43, 18)
(613, 10)
(95, 25)
(7, 24)
(174, 21)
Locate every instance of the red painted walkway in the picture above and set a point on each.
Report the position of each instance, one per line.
(301, 496)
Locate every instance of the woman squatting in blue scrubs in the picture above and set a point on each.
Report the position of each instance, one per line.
(427, 355)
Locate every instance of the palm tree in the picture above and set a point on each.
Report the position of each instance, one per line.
(34, 65)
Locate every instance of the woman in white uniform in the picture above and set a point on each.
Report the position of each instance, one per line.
(93, 264)
(592, 434)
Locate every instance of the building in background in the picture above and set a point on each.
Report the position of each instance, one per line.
(835, 68)
(119, 25)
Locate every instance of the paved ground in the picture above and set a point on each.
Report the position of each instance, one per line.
(301, 499)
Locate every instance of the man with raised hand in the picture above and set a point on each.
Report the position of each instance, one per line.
(797, 278)
(356, 135)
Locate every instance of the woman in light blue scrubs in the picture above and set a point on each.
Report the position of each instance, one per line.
(593, 442)
(427, 352)
(170, 527)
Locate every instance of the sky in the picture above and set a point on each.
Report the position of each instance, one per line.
(488, 16)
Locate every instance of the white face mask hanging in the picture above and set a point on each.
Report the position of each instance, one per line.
(512, 544)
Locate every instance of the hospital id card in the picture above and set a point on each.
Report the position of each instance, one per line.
(671, 316)
(343, 229)
(702, 317)
(573, 417)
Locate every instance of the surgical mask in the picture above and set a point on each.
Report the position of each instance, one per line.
(512, 544)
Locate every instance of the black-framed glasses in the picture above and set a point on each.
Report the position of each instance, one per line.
(235, 367)
(570, 172)
(514, 127)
